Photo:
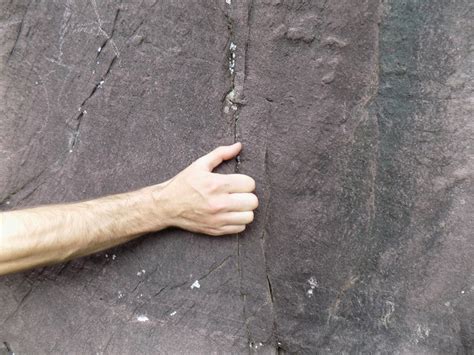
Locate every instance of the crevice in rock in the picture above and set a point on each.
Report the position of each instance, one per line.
(7, 348)
(23, 186)
(109, 37)
(156, 294)
(263, 240)
(82, 113)
(109, 341)
(247, 43)
(211, 270)
(23, 198)
(280, 350)
(135, 39)
(215, 268)
(230, 111)
(20, 29)
(18, 306)
(270, 288)
(233, 101)
(168, 287)
(101, 29)
(16, 39)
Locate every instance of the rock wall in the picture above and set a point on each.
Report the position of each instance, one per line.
(357, 124)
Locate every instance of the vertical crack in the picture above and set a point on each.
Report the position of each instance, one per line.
(263, 239)
(270, 288)
(237, 65)
(231, 104)
(247, 43)
(231, 112)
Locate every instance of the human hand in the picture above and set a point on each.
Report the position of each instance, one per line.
(201, 201)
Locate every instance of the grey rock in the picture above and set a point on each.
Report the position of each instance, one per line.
(356, 121)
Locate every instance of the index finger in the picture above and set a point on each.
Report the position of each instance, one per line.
(218, 155)
(232, 183)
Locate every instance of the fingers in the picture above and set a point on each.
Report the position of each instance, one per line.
(235, 183)
(218, 155)
(228, 230)
(241, 202)
(236, 218)
(230, 223)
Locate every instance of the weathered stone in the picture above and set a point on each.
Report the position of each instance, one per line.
(356, 121)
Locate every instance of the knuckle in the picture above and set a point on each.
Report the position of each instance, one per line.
(216, 221)
(213, 183)
(219, 149)
(212, 232)
(215, 207)
(220, 231)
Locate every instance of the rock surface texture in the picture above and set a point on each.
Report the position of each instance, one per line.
(357, 124)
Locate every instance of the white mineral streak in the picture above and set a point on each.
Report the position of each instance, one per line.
(313, 283)
(196, 284)
(232, 48)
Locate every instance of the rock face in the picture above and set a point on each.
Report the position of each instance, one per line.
(357, 124)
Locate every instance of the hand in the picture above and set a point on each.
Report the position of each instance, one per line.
(201, 201)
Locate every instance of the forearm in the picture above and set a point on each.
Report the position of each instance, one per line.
(56, 233)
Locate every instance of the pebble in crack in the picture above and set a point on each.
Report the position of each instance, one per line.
(143, 318)
(229, 100)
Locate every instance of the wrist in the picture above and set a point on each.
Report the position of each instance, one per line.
(153, 208)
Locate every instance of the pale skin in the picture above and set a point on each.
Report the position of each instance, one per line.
(196, 200)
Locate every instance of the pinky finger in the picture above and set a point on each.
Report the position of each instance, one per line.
(231, 229)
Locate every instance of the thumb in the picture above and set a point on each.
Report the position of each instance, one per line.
(218, 155)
